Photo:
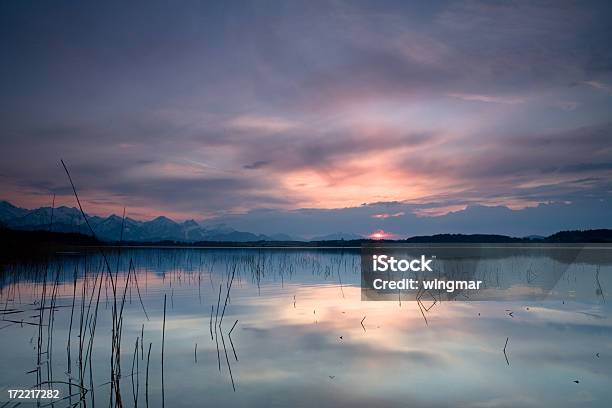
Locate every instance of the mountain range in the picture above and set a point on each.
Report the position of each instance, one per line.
(66, 224)
(115, 228)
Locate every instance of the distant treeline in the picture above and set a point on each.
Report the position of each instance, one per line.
(10, 238)
(17, 239)
(565, 237)
(32, 244)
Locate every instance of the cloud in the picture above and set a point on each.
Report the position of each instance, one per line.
(541, 219)
(566, 105)
(256, 165)
(260, 124)
(387, 215)
(446, 105)
(599, 86)
(488, 98)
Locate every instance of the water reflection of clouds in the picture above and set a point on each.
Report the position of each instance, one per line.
(457, 340)
(293, 355)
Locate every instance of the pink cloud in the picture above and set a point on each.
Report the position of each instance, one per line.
(387, 215)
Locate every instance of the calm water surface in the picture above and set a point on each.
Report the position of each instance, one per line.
(303, 336)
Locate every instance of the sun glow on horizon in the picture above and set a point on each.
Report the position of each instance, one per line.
(381, 234)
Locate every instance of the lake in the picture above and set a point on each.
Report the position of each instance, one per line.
(287, 327)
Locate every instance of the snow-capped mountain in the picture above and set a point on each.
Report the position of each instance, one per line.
(115, 228)
(9, 211)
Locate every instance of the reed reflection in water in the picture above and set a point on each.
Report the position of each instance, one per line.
(286, 327)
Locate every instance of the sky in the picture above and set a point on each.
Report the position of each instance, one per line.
(223, 111)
